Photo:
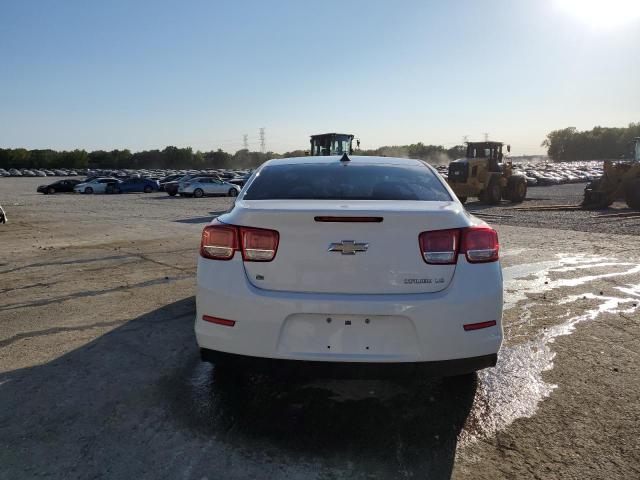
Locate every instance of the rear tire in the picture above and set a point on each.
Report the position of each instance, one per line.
(516, 189)
(51, 190)
(198, 193)
(633, 195)
(88, 190)
(148, 189)
(232, 192)
(172, 194)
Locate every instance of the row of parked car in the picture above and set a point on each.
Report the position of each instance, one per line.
(196, 185)
(24, 172)
(100, 185)
(552, 173)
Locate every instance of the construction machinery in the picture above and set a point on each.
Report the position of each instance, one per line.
(485, 173)
(331, 144)
(620, 181)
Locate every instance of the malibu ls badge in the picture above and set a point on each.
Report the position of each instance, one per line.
(348, 247)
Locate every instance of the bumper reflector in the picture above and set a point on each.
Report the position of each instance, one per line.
(478, 326)
(219, 321)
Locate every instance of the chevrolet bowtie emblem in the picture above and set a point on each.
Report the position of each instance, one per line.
(348, 247)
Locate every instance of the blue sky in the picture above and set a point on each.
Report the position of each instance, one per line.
(139, 75)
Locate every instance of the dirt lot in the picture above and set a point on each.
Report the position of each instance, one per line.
(100, 375)
(581, 220)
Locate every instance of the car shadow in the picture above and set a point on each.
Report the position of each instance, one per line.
(137, 402)
(205, 219)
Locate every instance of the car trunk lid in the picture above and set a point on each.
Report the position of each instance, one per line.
(354, 247)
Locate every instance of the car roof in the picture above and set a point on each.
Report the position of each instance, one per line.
(354, 159)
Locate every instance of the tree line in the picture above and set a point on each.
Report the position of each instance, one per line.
(169, 158)
(185, 158)
(567, 144)
(599, 143)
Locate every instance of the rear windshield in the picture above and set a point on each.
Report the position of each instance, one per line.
(352, 181)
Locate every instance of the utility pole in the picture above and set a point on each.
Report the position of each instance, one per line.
(245, 141)
(262, 139)
(486, 137)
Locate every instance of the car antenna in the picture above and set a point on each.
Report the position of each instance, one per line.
(345, 157)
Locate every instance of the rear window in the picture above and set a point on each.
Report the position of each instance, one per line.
(353, 181)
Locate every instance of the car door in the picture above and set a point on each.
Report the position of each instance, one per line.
(128, 185)
(99, 186)
(217, 188)
(204, 184)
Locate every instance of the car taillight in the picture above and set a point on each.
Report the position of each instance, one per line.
(259, 245)
(440, 247)
(480, 244)
(220, 242)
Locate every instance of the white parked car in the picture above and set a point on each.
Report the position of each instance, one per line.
(97, 185)
(201, 186)
(369, 262)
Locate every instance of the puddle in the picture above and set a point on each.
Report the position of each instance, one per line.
(515, 387)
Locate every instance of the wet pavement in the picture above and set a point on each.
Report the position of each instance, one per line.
(100, 377)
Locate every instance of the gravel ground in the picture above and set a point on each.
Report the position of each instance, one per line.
(100, 376)
(571, 194)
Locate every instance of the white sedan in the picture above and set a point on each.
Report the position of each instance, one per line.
(97, 185)
(366, 263)
(201, 186)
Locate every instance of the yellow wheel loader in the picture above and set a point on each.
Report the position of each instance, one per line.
(484, 173)
(332, 144)
(620, 181)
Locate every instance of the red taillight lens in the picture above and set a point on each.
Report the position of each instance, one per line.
(440, 247)
(259, 245)
(480, 244)
(219, 241)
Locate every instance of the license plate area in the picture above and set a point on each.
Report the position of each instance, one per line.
(349, 335)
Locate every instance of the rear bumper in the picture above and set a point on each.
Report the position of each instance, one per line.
(372, 329)
(371, 370)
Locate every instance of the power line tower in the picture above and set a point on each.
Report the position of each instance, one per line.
(262, 139)
(245, 141)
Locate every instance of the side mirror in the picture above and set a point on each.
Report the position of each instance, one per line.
(509, 148)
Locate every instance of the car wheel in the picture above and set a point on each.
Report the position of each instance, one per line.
(198, 193)
(88, 190)
(51, 190)
(232, 192)
(172, 194)
(148, 189)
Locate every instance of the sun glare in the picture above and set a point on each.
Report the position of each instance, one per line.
(602, 13)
